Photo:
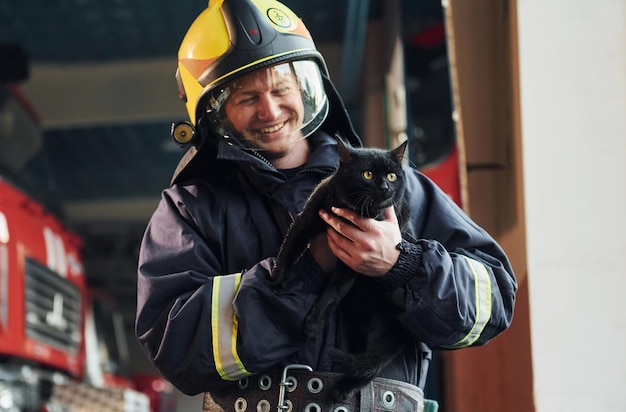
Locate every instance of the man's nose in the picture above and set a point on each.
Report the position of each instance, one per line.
(268, 107)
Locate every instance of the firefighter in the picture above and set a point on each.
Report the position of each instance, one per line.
(263, 114)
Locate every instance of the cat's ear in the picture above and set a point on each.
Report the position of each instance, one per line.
(399, 151)
(344, 153)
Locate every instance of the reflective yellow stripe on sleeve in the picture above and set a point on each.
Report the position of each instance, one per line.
(482, 289)
(225, 326)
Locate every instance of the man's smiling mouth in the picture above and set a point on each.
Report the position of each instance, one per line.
(272, 129)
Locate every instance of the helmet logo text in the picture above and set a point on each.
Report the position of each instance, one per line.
(279, 18)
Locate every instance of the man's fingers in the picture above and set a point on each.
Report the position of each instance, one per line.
(352, 217)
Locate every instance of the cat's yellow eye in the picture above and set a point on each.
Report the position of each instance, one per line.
(392, 177)
(368, 174)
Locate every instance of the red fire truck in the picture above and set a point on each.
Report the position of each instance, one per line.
(62, 346)
(43, 309)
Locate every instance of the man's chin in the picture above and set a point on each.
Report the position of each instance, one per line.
(276, 146)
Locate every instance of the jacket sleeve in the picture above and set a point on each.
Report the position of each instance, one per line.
(190, 320)
(452, 284)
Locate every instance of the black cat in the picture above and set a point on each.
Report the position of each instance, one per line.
(367, 181)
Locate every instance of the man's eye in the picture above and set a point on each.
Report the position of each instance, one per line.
(368, 175)
(246, 102)
(282, 91)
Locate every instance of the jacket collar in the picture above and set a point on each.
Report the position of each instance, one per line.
(323, 155)
(261, 174)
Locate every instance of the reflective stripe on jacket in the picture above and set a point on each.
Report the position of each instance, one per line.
(206, 316)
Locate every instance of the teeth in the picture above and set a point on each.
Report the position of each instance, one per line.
(271, 129)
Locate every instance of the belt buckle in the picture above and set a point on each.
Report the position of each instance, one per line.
(284, 383)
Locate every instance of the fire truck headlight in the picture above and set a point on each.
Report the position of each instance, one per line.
(11, 398)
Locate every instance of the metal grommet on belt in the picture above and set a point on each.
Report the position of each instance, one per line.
(291, 383)
(310, 395)
(265, 382)
(287, 382)
(389, 399)
(315, 385)
(241, 405)
(312, 407)
(243, 383)
(263, 406)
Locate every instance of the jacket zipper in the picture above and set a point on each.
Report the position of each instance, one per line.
(263, 159)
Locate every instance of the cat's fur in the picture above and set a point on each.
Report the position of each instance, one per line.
(377, 337)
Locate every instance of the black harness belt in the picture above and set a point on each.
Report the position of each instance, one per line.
(298, 389)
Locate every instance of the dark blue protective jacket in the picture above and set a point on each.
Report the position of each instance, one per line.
(206, 316)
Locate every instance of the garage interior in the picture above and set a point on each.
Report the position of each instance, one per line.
(102, 83)
(101, 79)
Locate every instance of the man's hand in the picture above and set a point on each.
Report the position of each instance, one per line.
(366, 245)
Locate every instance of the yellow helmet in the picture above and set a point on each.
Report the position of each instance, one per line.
(232, 38)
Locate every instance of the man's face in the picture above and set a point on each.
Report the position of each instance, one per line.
(266, 107)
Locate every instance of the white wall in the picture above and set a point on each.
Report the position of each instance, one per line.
(573, 100)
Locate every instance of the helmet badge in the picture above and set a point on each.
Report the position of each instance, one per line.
(280, 18)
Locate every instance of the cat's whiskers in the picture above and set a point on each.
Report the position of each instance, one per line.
(363, 202)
